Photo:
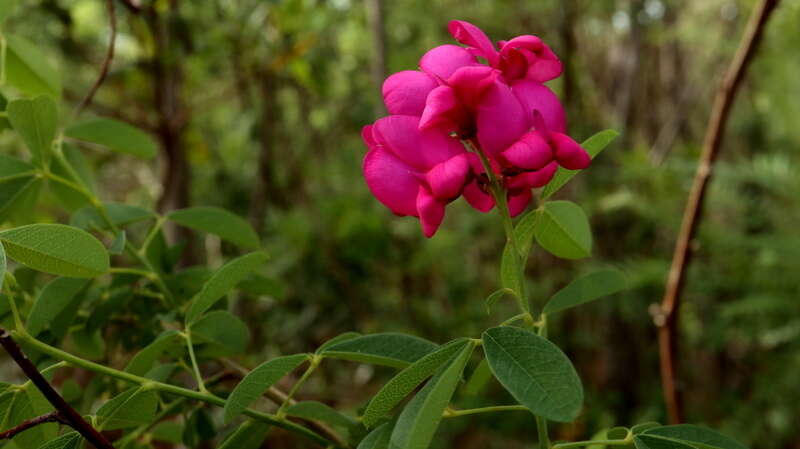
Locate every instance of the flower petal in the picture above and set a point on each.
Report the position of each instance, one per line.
(541, 63)
(569, 154)
(477, 198)
(531, 152)
(442, 109)
(391, 181)
(447, 178)
(469, 34)
(430, 210)
(518, 202)
(501, 119)
(405, 92)
(421, 149)
(536, 96)
(443, 60)
(532, 179)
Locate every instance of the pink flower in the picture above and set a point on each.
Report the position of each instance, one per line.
(414, 172)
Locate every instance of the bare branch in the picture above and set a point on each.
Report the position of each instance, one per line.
(112, 19)
(666, 317)
(70, 415)
(54, 416)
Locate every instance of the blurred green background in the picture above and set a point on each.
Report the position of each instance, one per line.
(258, 106)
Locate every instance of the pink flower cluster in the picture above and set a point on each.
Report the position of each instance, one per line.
(417, 164)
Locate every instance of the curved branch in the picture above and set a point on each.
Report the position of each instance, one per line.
(666, 317)
(112, 19)
(54, 416)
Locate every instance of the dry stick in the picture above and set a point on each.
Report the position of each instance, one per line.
(112, 19)
(667, 317)
(70, 416)
(54, 416)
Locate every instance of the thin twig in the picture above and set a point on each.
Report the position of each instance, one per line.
(112, 20)
(666, 317)
(54, 416)
(69, 414)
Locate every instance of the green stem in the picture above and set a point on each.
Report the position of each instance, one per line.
(475, 411)
(624, 442)
(544, 437)
(165, 388)
(195, 367)
(313, 362)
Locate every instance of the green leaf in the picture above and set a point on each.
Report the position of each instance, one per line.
(118, 245)
(36, 122)
(224, 334)
(18, 182)
(407, 380)
(117, 136)
(643, 441)
(258, 381)
(29, 403)
(250, 435)
(219, 222)
(388, 349)
(378, 438)
(593, 145)
(479, 378)
(697, 436)
(510, 270)
(321, 412)
(144, 360)
(71, 440)
(131, 408)
(336, 340)
(617, 433)
(81, 175)
(586, 288)
(258, 285)
(535, 371)
(54, 298)
(28, 69)
(639, 428)
(492, 299)
(420, 418)
(57, 249)
(563, 230)
(120, 214)
(223, 281)
(2, 265)
(7, 8)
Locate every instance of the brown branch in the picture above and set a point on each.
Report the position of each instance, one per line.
(666, 318)
(70, 415)
(112, 19)
(54, 416)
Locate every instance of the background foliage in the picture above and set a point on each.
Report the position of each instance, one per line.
(256, 107)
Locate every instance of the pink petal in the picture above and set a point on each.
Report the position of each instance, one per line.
(421, 149)
(532, 179)
(477, 198)
(391, 181)
(470, 83)
(518, 202)
(405, 92)
(501, 119)
(541, 63)
(443, 60)
(366, 136)
(442, 109)
(469, 34)
(536, 96)
(431, 212)
(569, 154)
(546, 67)
(531, 152)
(447, 179)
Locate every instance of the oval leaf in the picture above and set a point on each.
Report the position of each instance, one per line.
(223, 281)
(258, 381)
(28, 69)
(144, 360)
(52, 300)
(321, 412)
(389, 349)
(420, 418)
(56, 249)
(407, 380)
(115, 135)
(643, 441)
(36, 122)
(130, 408)
(586, 288)
(71, 440)
(535, 371)
(250, 435)
(224, 334)
(563, 230)
(219, 222)
(593, 145)
(378, 438)
(694, 434)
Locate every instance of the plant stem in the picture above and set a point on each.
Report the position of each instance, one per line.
(544, 437)
(314, 361)
(195, 367)
(167, 388)
(491, 409)
(592, 442)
